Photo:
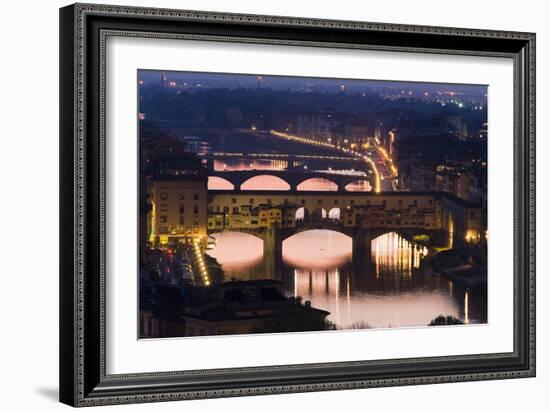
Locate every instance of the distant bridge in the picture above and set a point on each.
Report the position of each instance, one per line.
(292, 178)
(282, 156)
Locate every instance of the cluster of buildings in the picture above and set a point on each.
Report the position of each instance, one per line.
(234, 307)
(339, 128)
(466, 181)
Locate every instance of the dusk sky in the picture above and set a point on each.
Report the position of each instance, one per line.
(222, 80)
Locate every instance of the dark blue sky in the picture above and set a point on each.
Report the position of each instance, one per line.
(222, 80)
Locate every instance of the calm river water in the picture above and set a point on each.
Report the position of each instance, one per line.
(395, 291)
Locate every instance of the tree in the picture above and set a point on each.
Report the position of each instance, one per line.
(445, 320)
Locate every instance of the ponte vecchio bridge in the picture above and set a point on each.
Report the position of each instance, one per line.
(275, 216)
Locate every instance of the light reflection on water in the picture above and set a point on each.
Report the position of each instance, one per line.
(395, 291)
(359, 186)
(241, 165)
(238, 252)
(317, 184)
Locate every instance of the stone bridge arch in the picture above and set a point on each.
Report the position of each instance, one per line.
(349, 185)
(285, 185)
(300, 183)
(335, 214)
(220, 183)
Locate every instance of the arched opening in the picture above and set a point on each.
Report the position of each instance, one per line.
(302, 214)
(317, 184)
(265, 182)
(319, 214)
(358, 185)
(335, 214)
(237, 251)
(219, 183)
(317, 249)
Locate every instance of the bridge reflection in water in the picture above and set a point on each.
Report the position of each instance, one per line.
(395, 290)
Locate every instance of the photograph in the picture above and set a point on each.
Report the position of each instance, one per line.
(279, 204)
(287, 200)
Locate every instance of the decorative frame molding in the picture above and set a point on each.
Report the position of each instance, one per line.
(83, 32)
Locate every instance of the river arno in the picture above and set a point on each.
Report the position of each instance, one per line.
(396, 290)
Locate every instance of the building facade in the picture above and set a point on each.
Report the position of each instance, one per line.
(179, 209)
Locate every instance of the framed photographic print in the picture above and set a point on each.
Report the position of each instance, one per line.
(260, 204)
